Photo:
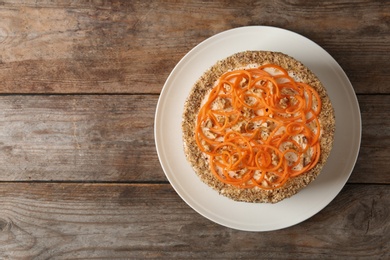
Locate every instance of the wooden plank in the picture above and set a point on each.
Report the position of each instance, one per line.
(110, 138)
(88, 138)
(131, 47)
(373, 164)
(62, 221)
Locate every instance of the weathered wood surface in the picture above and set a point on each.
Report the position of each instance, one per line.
(78, 138)
(67, 221)
(130, 47)
(110, 138)
(79, 173)
(373, 164)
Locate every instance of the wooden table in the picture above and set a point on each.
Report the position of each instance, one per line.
(79, 172)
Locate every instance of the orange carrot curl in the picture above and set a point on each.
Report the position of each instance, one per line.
(259, 127)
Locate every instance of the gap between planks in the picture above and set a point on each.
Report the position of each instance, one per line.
(80, 94)
(138, 182)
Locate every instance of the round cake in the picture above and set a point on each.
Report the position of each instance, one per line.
(258, 126)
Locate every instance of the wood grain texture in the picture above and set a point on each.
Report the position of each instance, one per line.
(62, 221)
(110, 138)
(78, 138)
(130, 47)
(373, 164)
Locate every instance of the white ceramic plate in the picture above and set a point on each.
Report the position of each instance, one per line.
(249, 216)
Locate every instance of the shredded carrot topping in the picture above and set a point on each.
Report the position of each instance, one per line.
(259, 127)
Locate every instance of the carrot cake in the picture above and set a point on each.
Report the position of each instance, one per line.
(258, 126)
